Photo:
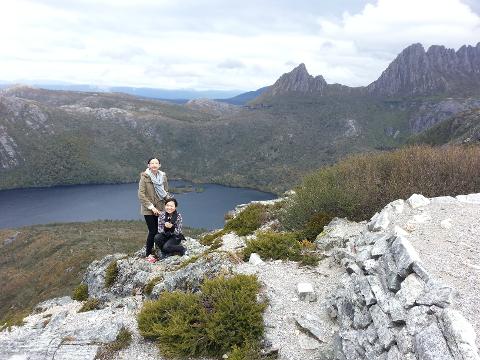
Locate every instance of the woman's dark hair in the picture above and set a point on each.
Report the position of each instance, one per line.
(171, 199)
(148, 162)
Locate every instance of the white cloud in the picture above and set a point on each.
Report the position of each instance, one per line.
(216, 45)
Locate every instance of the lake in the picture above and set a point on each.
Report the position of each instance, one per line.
(205, 209)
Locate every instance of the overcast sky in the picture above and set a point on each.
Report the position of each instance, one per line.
(221, 44)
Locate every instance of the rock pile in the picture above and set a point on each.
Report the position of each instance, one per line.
(390, 306)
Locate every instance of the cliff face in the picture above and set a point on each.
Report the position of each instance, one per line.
(436, 71)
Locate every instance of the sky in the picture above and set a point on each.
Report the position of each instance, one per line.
(220, 44)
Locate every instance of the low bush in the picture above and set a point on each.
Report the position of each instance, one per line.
(249, 220)
(315, 224)
(90, 304)
(80, 293)
(212, 239)
(309, 259)
(123, 340)
(361, 185)
(273, 245)
(225, 313)
(111, 273)
(234, 315)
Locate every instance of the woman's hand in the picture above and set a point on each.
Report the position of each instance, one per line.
(168, 225)
(155, 211)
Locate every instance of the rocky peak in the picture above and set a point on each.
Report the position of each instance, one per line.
(437, 70)
(298, 80)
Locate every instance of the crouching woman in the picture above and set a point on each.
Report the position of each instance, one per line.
(170, 234)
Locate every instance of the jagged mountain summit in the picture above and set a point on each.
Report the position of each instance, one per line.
(299, 80)
(435, 71)
(414, 72)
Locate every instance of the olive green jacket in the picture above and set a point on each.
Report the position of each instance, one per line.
(147, 194)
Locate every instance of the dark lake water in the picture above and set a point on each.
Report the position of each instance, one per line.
(205, 209)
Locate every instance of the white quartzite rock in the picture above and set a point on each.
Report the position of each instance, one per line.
(415, 201)
(460, 335)
(305, 292)
(379, 221)
(255, 259)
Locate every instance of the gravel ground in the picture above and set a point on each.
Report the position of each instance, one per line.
(280, 279)
(450, 250)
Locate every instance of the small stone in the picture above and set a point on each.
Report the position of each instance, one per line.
(446, 224)
(383, 325)
(459, 333)
(436, 293)
(305, 292)
(370, 266)
(431, 345)
(379, 221)
(398, 231)
(255, 259)
(470, 198)
(415, 201)
(312, 325)
(404, 254)
(394, 354)
(410, 290)
(366, 291)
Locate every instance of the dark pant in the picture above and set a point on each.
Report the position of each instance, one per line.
(152, 224)
(169, 243)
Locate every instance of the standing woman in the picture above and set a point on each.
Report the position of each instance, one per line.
(152, 191)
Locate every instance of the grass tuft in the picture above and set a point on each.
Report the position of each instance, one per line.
(80, 293)
(111, 274)
(90, 304)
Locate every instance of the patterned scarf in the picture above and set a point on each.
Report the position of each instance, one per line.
(158, 183)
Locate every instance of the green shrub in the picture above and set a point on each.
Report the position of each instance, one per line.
(361, 185)
(211, 239)
(177, 321)
(315, 224)
(80, 293)
(209, 323)
(273, 245)
(123, 340)
(151, 284)
(111, 273)
(246, 352)
(90, 304)
(234, 315)
(249, 220)
(309, 259)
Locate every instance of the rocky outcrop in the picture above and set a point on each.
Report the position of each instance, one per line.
(390, 306)
(432, 113)
(436, 71)
(212, 107)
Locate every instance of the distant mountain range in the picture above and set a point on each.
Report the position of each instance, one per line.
(178, 96)
(268, 141)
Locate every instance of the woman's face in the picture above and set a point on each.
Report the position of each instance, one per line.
(170, 207)
(154, 165)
